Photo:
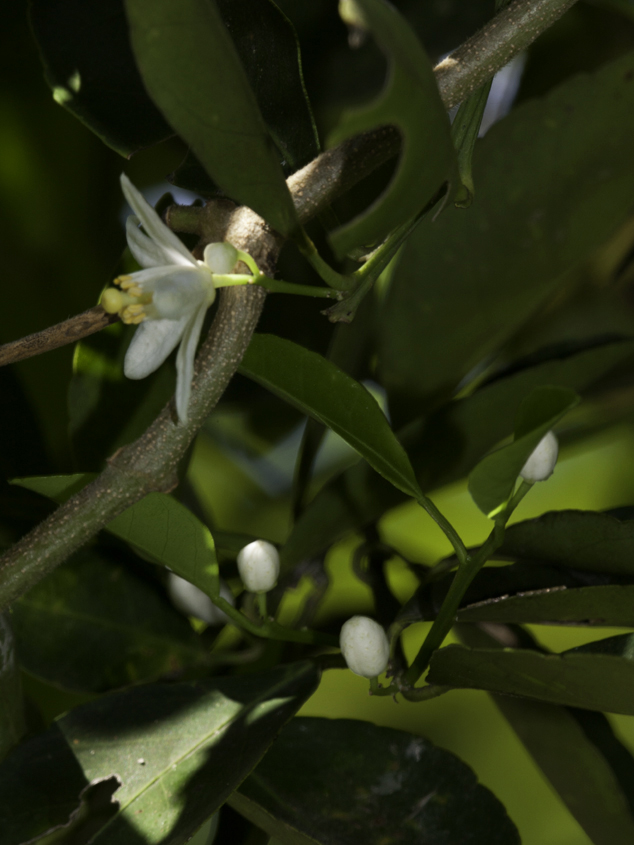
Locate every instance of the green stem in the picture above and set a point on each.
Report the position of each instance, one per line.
(272, 630)
(331, 277)
(467, 570)
(261, 601)
(450, 532)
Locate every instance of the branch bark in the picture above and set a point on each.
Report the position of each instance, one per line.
(149, 464)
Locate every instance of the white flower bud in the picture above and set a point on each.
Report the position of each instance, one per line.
(259, 566)
(189, 599)
(365, 646)
(542, 461)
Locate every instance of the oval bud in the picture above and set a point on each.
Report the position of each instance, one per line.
(191, 600)
(220, 257)
(365, 646)
(259, 566)
(542, 461)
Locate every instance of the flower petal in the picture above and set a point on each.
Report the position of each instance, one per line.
(152, 343)
(146, 252)
(174, 251)
(147, 279)
(182, 293)
(185, 362)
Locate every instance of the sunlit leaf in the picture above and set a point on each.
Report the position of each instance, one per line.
(178, 751)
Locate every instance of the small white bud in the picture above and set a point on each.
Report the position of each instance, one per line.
(189, 599)
(365, 646)
(259, 566)
(542, 461)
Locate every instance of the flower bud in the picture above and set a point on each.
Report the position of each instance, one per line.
(365, 647)
(259, 566)
(542, 461)
(189, 599)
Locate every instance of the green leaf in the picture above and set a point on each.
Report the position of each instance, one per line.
(91, 69)
(596, 677)
(492, 482)
(443, 447)
(12, 724)
(319, 388)
(171, 780)
(56, 487)
(577, 751)
(192, 71)
(555, 179)
(93, 606)
(586, 540)
(341, 782)
(410, 101)
(609, 605)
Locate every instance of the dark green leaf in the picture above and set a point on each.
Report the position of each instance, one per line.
(492, 482)
(91, 69)
(595, 677)
(610, 605)
(12, 724)
(579, 754)
(555, 179)
(171, 781)
(95, 607)
(586, 540)
(319, 388)
(341, 782)
(410, 100)
(192, 71)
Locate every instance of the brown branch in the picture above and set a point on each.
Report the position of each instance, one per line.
(70, 331)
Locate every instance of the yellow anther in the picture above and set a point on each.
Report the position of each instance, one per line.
(112, 301)
(133, 314)
(123, 281)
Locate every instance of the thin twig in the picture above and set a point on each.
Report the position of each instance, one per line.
(70, 331)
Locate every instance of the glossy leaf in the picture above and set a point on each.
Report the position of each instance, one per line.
(577, 751)
(12, 723)
(276, 79)
(90, 67)
(586, 540)
(443, 447)
(410, 100)
(596, 677)
(192, 71)
(319, 388)
(171, 781)
(93, 626)
(339, 782)
(609, 605)
(555, 179)
(492, 482)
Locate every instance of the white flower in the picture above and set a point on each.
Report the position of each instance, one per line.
(541, 463)
(168, 298)
(259, 566)
(365, 646)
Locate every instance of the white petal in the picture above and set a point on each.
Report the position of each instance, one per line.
(185, 361)
(174, 249)
(182, 293)
(152, 343)
(147, 279)
(148, 253)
